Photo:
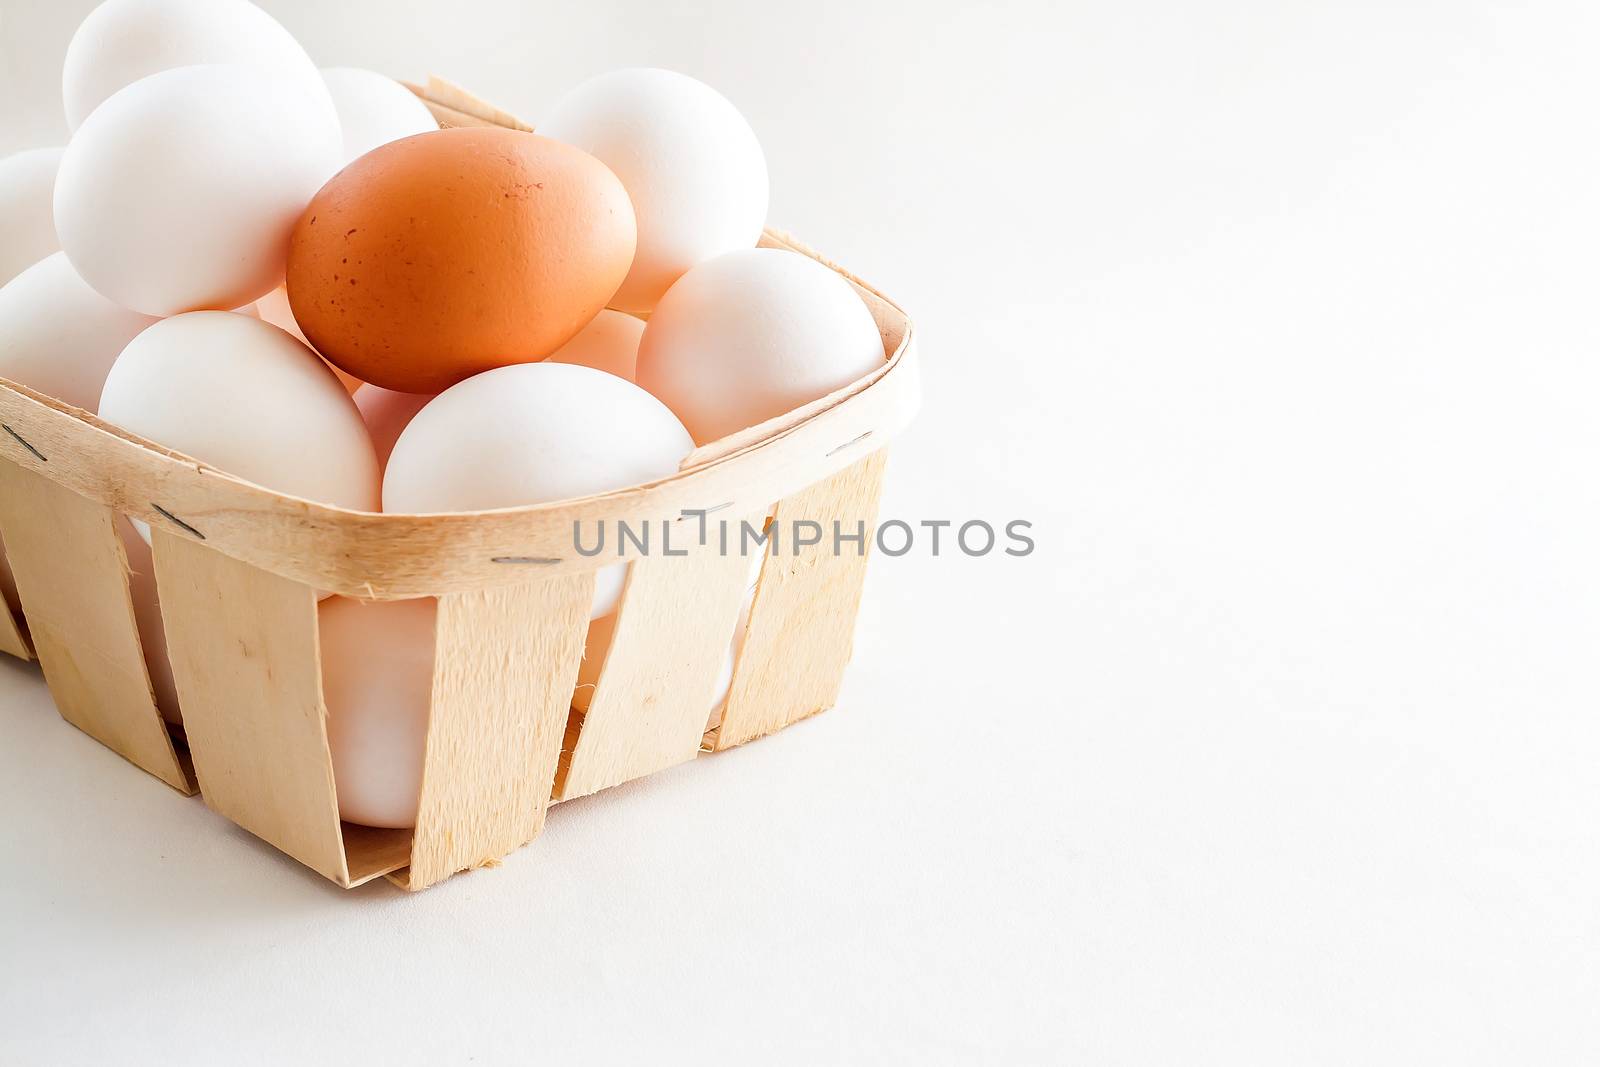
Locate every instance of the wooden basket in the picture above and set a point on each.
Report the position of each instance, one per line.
(236, 566)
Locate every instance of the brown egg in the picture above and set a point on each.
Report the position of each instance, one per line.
(442, 255)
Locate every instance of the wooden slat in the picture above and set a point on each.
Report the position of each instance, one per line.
(454, 106)
(12, 641)
(505, 662)
(245, 655)
(72, 577)
(802, 623)
(372, 851)
(655, 690)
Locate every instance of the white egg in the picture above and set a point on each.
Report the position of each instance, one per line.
(147, 617)
(179, 192)
(719, 701)
(374, 110)
(377, 683)
(610, 343)
(387, 413)
(60, 337)
(754, 334)
(244, 397)
(27, 220)
(124, 40)
(533, 433)
(690, 162)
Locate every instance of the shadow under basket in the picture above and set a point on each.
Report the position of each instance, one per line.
(236, 566)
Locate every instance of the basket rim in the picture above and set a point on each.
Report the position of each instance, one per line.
(389, 554)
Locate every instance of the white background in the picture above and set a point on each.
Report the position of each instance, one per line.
(1277, 320)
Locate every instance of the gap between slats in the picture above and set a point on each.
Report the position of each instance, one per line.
(657, 685)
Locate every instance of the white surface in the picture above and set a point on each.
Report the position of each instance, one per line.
(1277, 319)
